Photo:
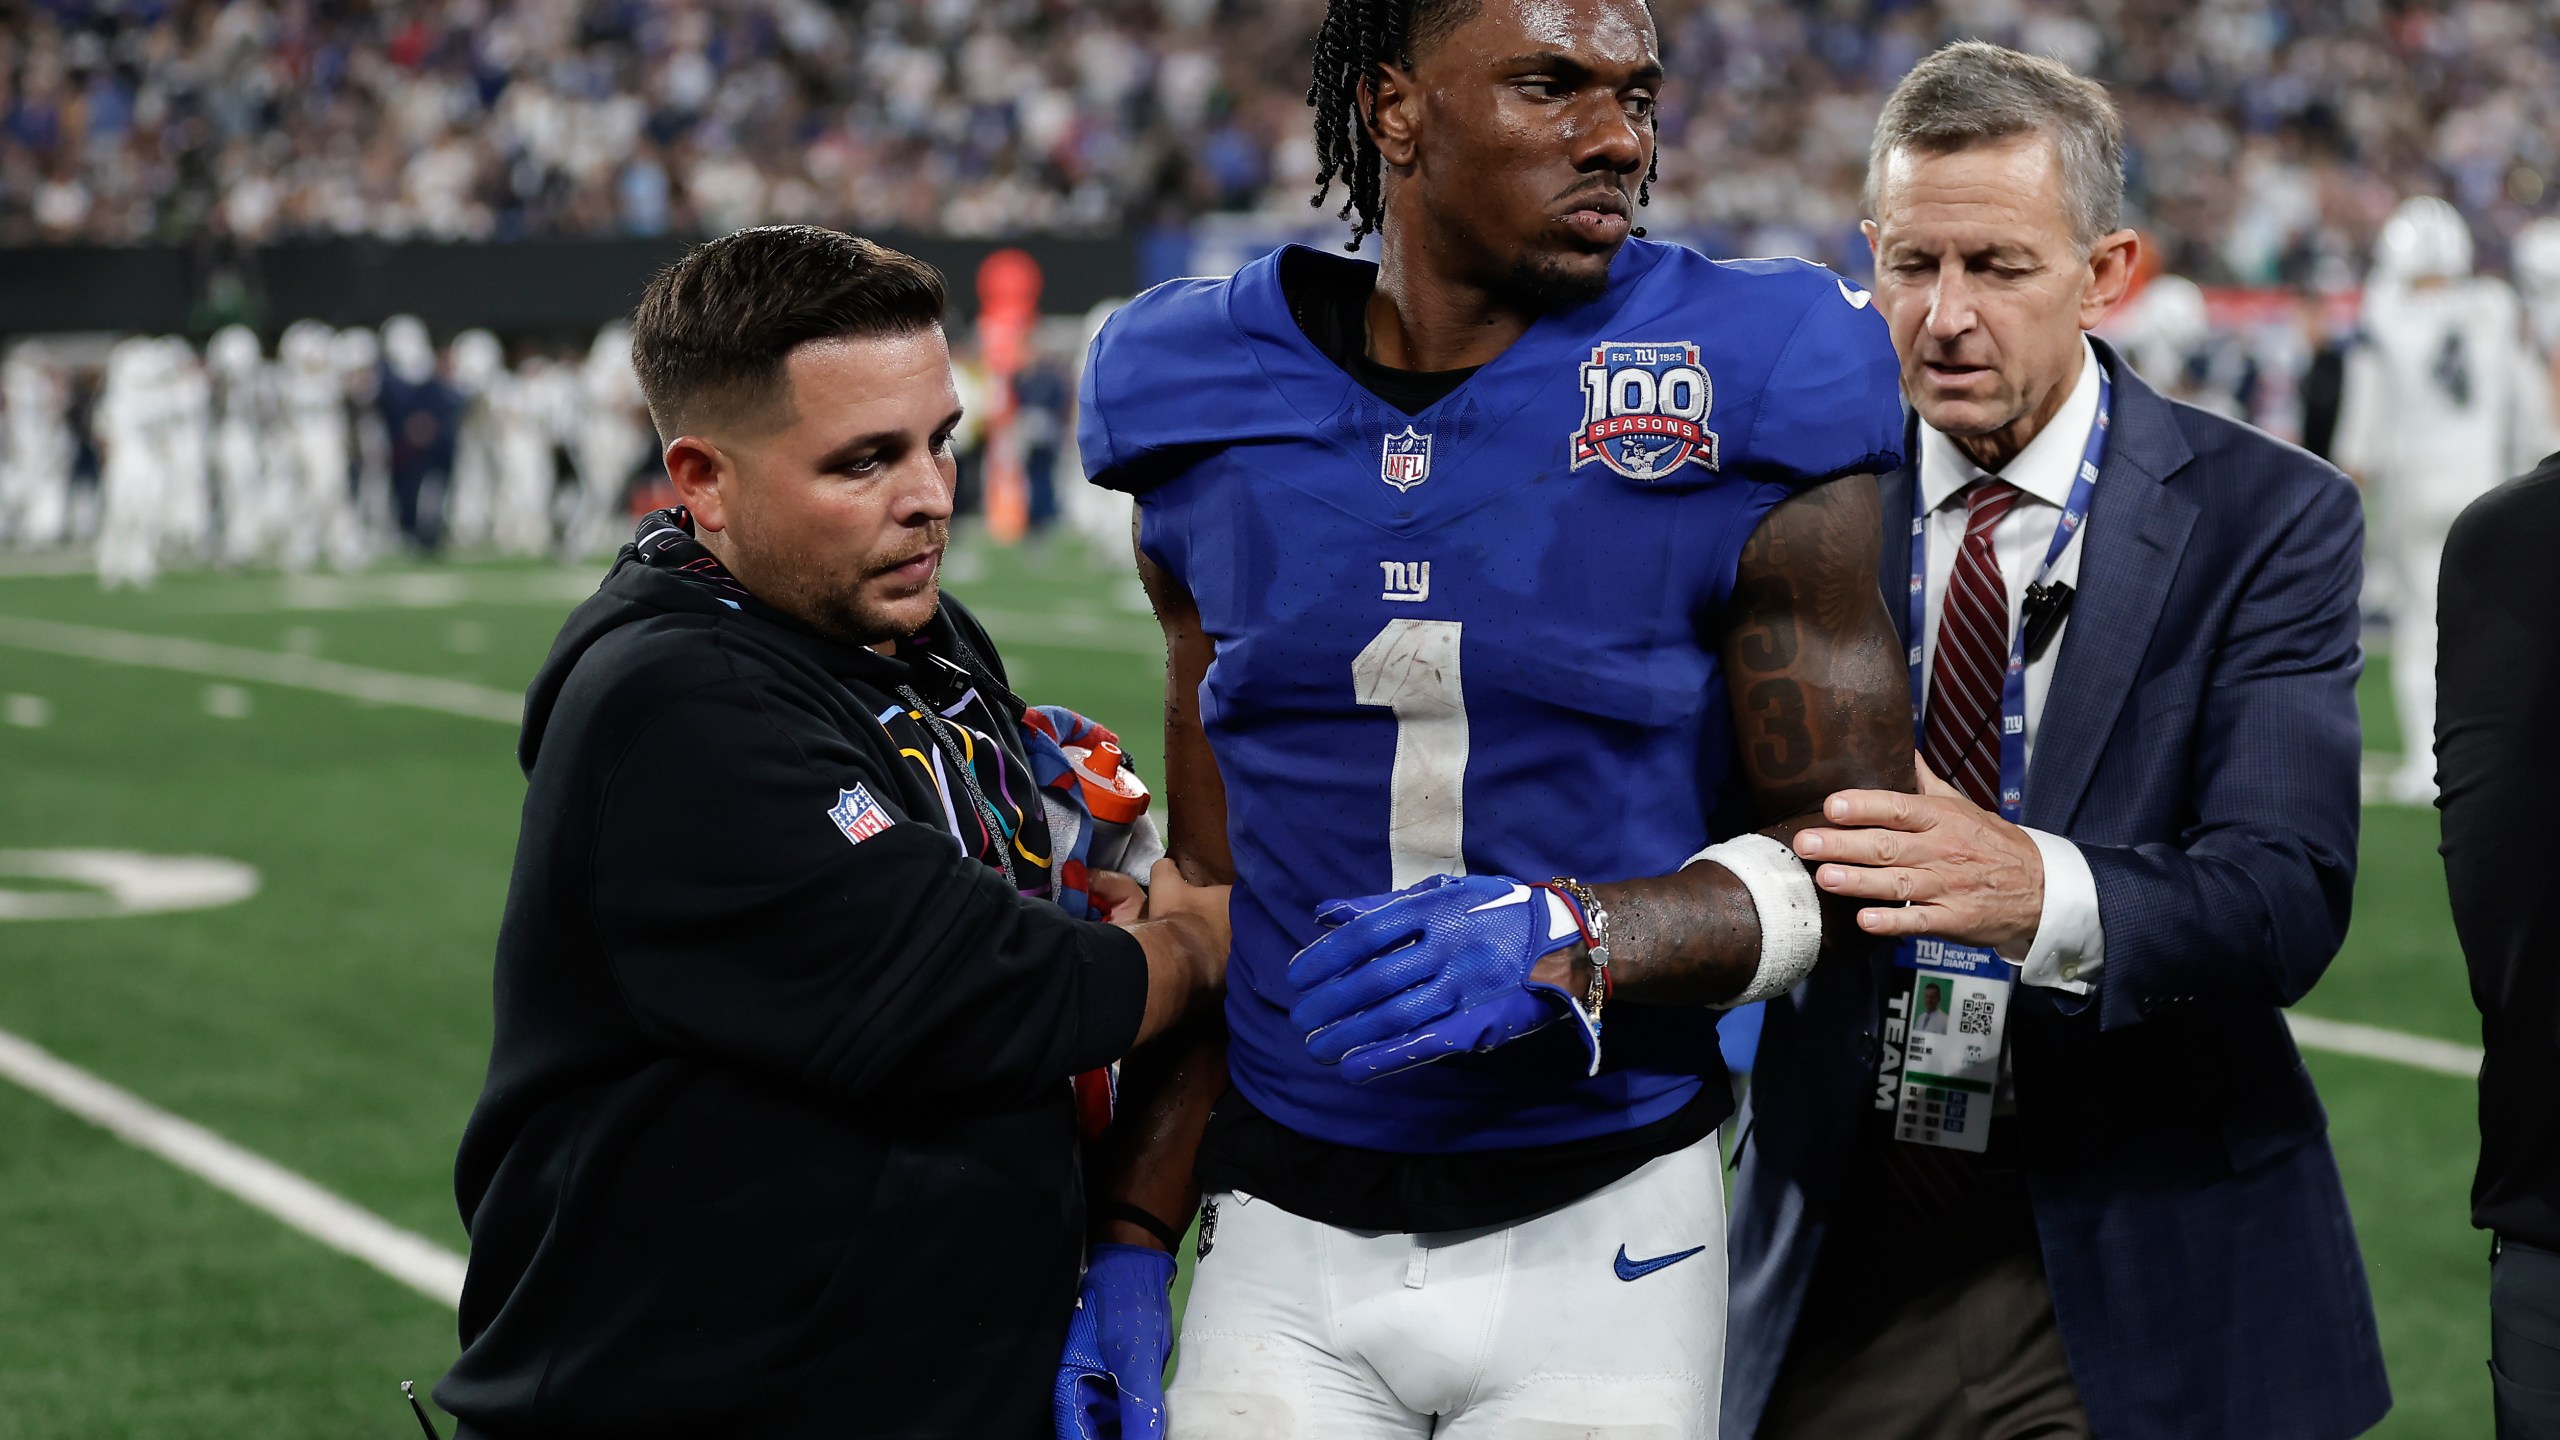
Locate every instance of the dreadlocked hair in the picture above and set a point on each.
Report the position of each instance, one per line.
(1357, 40)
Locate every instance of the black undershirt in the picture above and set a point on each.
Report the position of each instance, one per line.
(1358, 1189)
(1329, 297)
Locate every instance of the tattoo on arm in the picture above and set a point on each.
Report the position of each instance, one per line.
(1815, 671)
(1812, 656)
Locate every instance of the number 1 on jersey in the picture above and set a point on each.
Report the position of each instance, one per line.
(1411, 668)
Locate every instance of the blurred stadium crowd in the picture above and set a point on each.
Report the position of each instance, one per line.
(2269, 141)
(2269, 138)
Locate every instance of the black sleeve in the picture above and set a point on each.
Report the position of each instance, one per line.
(2498, 763)
(740, 922)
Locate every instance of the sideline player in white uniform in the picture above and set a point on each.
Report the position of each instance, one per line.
(131, 426)
(530, 413)
(247, 465)
(611, 440)
(2537, 252)
(317, 451)
(358, 354)
(477, 364)
(35, 471)
(2443, 401)
(186, 500)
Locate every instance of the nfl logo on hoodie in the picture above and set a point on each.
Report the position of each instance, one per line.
(858, 815)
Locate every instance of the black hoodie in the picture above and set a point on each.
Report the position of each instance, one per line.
(778, 1137)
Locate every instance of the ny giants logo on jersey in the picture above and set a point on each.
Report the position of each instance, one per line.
(1406, 460)
(1644, 410)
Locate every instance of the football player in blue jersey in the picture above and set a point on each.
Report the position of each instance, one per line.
(1520, 597)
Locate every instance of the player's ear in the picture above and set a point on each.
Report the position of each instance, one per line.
(1390, 102)
(703, 476)
(2112, 262)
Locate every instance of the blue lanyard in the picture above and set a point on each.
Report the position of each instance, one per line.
(2013, 686)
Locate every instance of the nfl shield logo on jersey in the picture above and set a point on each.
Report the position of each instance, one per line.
(1406, 461)
(858, 815)
(1644, 410)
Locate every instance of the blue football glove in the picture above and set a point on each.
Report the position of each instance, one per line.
(1111, 1379)
(1436, 969)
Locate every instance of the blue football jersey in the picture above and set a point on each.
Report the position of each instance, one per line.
(1480, 639)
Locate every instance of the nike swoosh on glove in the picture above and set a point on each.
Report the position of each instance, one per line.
(1436, 969)
(1111, 1378)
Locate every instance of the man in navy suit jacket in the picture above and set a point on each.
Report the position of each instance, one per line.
(2155, 1241)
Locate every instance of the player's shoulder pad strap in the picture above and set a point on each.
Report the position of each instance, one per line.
(1170, 378)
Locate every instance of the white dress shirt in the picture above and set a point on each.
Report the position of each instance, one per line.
(2069, 945)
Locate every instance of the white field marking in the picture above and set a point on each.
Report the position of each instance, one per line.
(408, 590)
(27, 712)
(226, 702)
(46, 564)
(233, 662)
(2418, 1052)
(121, 882)
(343, 1226)
(1071, 630)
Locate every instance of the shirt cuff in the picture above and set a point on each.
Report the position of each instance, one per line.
(2070, 944)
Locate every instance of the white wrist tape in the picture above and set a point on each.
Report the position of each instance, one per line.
(1790, 910)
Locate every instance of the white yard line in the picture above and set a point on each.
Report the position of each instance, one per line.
(2419, 1052)
(267, 667)
(343, 1226)
(1072, 630)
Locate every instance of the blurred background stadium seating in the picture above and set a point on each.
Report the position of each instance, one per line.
(376, 252)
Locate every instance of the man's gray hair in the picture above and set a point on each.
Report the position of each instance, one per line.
(1974, 93)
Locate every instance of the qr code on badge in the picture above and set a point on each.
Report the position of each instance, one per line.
(1975, 1018)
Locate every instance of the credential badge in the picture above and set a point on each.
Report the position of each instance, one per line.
(1644, 410)
(858, 815)
(1406, 460)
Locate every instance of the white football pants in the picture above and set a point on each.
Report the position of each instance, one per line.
(2420, 561)
(1300, 1331)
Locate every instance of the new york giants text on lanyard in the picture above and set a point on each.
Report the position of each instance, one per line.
(1954, 1002)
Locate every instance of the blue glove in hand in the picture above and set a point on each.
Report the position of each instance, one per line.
(1436, 969)
(1111, 1379)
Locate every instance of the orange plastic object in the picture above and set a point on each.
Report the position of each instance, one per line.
(1112, 791)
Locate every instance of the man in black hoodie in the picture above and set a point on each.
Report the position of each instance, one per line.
(779, 1136)
(2497, 688)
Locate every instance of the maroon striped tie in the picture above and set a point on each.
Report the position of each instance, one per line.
(1962, 735)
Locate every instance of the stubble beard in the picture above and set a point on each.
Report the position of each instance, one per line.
(1549, 282)
(844, 609)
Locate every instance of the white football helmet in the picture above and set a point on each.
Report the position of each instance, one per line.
(477, 360)
(407, 350)
(2173, 311)
(233, 353)
(2425, 239)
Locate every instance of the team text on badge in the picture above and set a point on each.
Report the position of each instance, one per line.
(1644, 410)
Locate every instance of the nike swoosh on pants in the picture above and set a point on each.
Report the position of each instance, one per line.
(1638, 1269)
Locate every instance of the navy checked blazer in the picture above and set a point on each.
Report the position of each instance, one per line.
(2200, 744)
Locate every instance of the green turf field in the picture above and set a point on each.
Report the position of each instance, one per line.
(337, 1023)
